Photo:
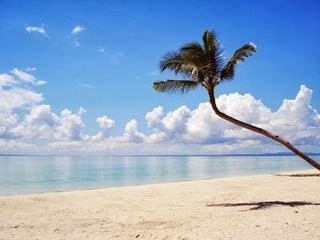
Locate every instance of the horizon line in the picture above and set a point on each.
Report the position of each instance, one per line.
(162, 155)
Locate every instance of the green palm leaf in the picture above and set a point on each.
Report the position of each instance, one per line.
(184, 64)
(175, 86)
(240, 55)
(203, 62)
(210, 41)
(192, 48)
(213, 54)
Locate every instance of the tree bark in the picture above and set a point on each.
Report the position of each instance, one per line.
(260, 131)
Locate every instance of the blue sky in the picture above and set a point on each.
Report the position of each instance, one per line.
(108, 67)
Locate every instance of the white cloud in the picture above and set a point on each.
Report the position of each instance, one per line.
(23, 75)
(23, 116)
(202, 126)
(297, 119)
(77, 29)
(206, 127)
(131, 133)
(70, 126)
(18, 97)
(169, 127)
(41, 30)
(41, 114)
(39, 123)
(8, 121)
(14, 146)
(105, 124)
(73, 35)
(31, 69)
(154, 117)
(27, 77)
(14, 98)
(27, 124)
(6, 80)
(86, 85)
(81, 111)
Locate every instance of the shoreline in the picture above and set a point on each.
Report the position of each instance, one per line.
(221, 208)
(155, 183)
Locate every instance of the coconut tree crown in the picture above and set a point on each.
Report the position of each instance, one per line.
(200, 64)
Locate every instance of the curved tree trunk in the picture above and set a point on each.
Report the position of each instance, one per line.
(261, 131)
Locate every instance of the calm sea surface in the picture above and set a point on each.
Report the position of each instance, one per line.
(36, 174)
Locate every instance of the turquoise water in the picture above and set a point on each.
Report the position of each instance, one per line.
(36, 174)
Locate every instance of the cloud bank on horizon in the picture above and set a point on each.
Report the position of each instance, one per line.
(28, 125)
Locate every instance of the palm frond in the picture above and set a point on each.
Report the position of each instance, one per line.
(201, 63)
(240, 55)
(209, 40)
(187, 65)
(194, 48)
(175, 86)
(213, 53)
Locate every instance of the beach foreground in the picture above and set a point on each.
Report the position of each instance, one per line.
(251, 207)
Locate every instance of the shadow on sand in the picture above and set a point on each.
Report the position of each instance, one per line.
(299, 175)
(263, 205)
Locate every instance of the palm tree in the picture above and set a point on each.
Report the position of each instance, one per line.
(204, 65)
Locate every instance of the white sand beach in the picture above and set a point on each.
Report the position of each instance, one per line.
(282, 207)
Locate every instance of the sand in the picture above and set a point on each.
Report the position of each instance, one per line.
(289, 209)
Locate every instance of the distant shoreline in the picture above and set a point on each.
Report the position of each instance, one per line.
(160, 155)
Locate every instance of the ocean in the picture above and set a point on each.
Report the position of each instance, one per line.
(38, 174)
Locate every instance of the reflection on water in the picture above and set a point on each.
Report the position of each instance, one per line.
(33, 174)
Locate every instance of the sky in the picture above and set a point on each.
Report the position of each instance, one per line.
(76, 77)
